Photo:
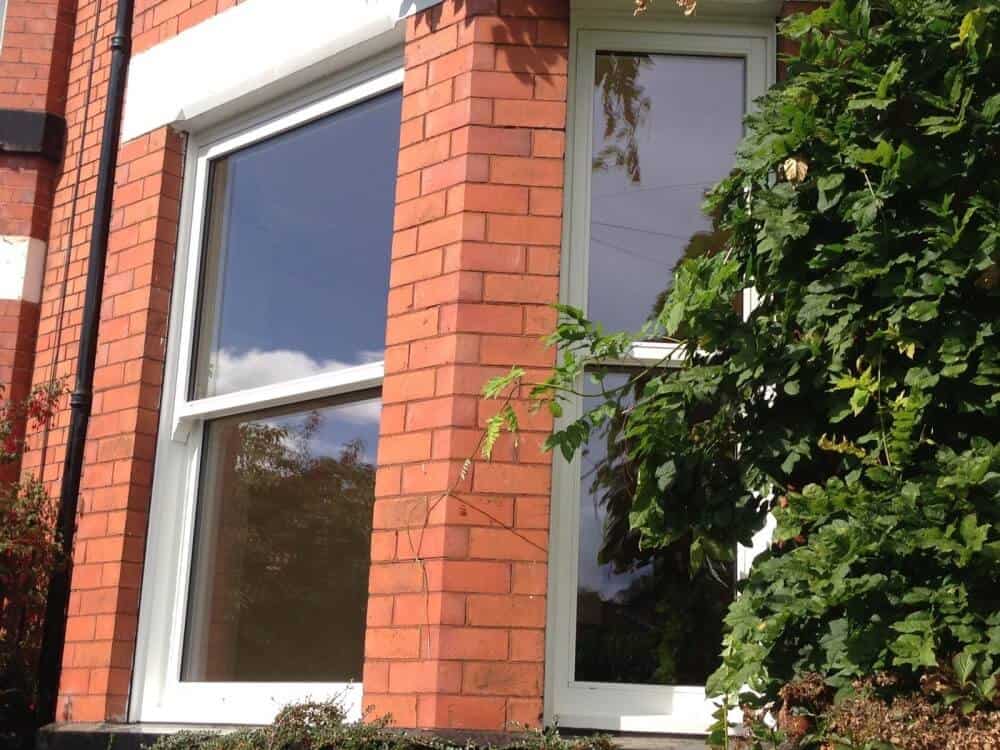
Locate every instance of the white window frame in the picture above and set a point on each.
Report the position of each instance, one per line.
(607, 706)
(158, 694)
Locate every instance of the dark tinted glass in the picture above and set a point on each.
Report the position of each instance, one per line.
(296, 257)
(666, 128)
(279, 581)
(641, 618)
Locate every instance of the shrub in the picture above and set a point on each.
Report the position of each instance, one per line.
(322, 726)
(29, 552)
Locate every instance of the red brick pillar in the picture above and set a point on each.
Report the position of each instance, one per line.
(458, 580)
(117, 476)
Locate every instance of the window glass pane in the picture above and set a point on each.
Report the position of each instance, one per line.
(640, 618)
(666, 128)
(279, 581)
(296, 257)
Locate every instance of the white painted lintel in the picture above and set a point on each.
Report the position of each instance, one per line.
(255, 53)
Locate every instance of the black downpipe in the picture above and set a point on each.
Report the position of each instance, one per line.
(54, 632)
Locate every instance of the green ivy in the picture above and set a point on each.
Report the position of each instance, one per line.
(859, 401)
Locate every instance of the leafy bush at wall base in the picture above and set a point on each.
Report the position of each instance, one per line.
(898, 583)
(889, 578)
(859, 400)
(29, 552)
(322, 726)
(876, 716)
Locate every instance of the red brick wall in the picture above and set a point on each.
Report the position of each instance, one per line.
(117, 475)
(457, 610)
(33, 65)
(26, 188)
(159, 20)
(34, 55)
(18, 327)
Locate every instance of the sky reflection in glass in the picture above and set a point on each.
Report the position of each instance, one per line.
(685, 139)
(296, 260)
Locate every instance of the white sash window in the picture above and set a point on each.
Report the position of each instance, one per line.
(256, 580)
(657, 111)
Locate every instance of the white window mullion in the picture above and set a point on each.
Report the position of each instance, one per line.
(311, 388)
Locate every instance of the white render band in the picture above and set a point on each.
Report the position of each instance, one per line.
(22, 265)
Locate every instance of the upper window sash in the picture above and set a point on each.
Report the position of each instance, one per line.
(187, 411)
(710, 40)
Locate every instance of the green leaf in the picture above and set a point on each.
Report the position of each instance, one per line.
(921, 377)
(973, 534)
(893, 74)
(829, 191)
(493, 427)
(495, 387)
(972, 26)
(666, 473)
(871, 102)
(859, 400)
(963, 663)
(914, 650)
(923, 310)
(991, 108)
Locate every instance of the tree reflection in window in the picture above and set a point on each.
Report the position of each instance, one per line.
(624, 107)
(641, 617)
(280, 578)
(665, 128)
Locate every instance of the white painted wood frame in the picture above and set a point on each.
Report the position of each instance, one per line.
(568, 702)
(158, 694)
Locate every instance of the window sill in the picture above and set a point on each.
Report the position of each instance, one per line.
(104, 735)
